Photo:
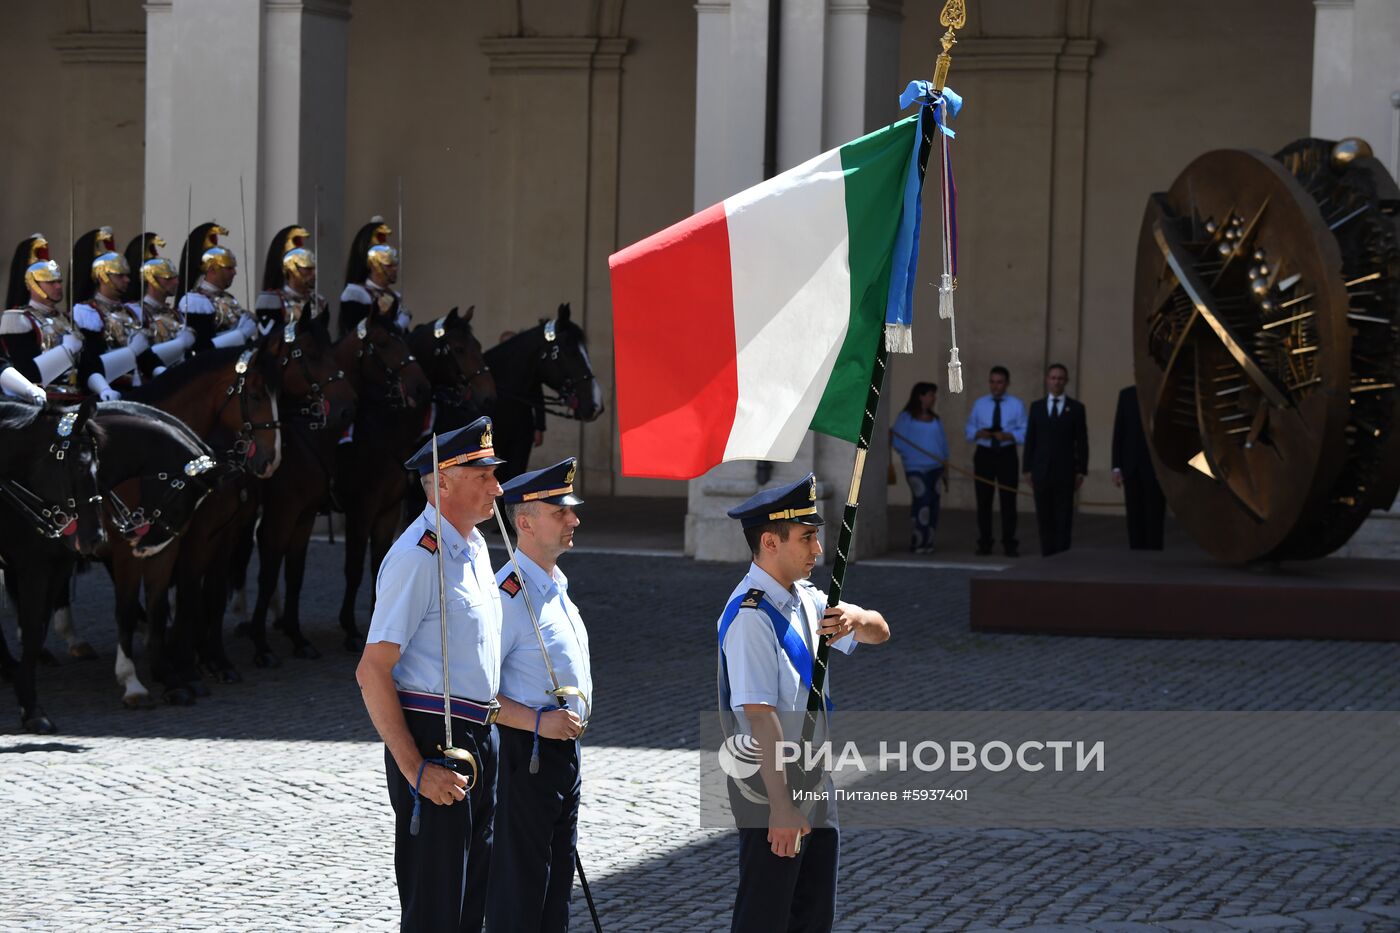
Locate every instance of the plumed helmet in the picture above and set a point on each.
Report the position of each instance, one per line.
(217, 257)
(141, 248)
(298, 260)
(158, 268)
(33, 248)
(201, 239)
(109, 265)
(45, 270)
(375, 233)
(81, 275)
(293, 236)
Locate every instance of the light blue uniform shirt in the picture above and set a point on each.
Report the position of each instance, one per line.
(759, 669)
(524, 677)
(1013, 419)
(406, 611)
(922, 445)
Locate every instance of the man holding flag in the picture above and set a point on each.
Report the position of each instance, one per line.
(768, 635)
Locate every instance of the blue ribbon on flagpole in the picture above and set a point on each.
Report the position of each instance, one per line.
(899, 305)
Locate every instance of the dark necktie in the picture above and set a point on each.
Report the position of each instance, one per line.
(996, 421)
(1056, 412)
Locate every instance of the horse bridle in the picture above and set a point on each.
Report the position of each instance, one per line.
(558, 404)
(244, 441)
(458, 392)
(50, 519)
(128, 520)
(315, 412)
(397, 397)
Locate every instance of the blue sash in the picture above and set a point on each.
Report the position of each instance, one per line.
(792, 643)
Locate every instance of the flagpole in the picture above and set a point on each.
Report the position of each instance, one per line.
(953, 17)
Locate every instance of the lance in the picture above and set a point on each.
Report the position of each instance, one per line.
(72, 275)
(401, 246)
(243, 209)
(558, 692)
(953, 17)
(185, 261)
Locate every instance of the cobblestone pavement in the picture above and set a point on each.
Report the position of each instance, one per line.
(262, 807)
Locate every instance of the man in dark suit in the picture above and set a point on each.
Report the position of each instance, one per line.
(1056, 459)
(1134, 474)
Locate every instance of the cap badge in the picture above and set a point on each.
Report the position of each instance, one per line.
(486, 437)
(569, 476)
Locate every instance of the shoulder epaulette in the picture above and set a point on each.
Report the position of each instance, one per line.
(15, 322)
(428, 542)
(752, 599)
(356, 293)
(510, 585)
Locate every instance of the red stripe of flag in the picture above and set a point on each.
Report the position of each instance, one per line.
(673, 333)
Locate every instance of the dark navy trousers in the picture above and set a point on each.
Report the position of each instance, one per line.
(442, 871)
(532, 864)
(794, 894)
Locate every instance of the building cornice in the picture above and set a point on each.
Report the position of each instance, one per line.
(554, 53)
(100, 48)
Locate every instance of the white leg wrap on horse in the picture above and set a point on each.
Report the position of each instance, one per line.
(63, 624)
(127, 679)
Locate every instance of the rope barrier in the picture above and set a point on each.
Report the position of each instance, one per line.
(943, 461)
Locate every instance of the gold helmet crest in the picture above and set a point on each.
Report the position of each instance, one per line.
(298, 260)
(45, 270)
(218, 257)
(381, 256)
(109, 265)
(152, 270)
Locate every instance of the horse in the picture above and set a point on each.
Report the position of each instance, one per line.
(554, 354)
(154, 472)
(452, 358)
(50, 514)
(200, 393)
(371, 480)
(388, 384)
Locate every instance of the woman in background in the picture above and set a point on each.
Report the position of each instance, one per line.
(923, 448)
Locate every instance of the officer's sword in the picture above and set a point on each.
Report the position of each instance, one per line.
(447, 748)
(558, 693)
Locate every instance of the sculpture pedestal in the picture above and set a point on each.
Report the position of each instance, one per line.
(1189, 595)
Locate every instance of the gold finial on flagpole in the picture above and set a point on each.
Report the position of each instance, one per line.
(954, 17)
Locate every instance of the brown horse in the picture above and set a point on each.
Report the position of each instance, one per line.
(154, 472)
(370, 480)
(390, 390)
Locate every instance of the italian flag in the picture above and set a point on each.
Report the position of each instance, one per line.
(742, 327)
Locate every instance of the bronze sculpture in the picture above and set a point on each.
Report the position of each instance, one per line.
(1267, 336)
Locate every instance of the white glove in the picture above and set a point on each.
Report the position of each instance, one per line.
(229, 338)
(157, 371)
(138, 343)
(13, 382)
(72, 343)
(98, 383)
(248, 327)
(403, 320)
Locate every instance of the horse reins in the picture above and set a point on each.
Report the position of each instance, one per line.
(315, 412)
(244, 441)
(397, 397)
(128, 521)
(50, 519)
(557, 405)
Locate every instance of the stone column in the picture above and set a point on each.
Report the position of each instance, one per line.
(1356, 92)
(555, 114)
(837, 79)
(249, 91)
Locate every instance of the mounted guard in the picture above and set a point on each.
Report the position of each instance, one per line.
(289, 283)
(153, 285)
(370, 274)
(38, 344)
(208, 308)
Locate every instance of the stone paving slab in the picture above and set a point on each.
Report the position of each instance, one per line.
(262, 807)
